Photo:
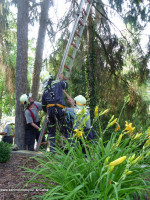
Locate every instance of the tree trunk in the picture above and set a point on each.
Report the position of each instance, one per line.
(21, 70)
(1, 95)
(40, 48)
(91, 65)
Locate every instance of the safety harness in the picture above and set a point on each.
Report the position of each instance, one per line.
(32, 112)
(53, 95)
(53, 105)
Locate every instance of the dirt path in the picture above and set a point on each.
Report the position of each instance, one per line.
(12, 178)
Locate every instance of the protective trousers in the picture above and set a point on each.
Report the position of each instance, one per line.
(56, 115)
(32, 134)
(8, 139)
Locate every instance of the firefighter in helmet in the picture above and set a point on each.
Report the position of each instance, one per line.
(80, 114)
(32, 128)
(53, 103)
(8, 132)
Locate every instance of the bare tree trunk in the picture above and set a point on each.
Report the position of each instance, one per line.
(91, 65)
(21, 70)
(39, 48)
(1, 95)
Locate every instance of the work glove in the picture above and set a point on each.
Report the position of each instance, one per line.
(39, 129)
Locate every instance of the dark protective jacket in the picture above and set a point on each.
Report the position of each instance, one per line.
(53, 93)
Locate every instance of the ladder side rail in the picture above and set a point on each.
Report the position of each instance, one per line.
(41, 134)
(82, 28)
(70, 41)
(79, 38)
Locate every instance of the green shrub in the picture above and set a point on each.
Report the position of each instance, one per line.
(4, 152)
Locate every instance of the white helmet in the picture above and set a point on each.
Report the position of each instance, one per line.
(45, 76)
(80, 101)
(24, 99)
(8, 120)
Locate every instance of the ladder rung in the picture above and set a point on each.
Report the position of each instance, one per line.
(42, 143)
(74, 45)
(80, 22)
(70, 56)
(84, 11)
(77, 34)
(67, 67)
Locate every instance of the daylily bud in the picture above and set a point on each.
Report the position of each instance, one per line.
(147, 143)
(148, 154)
(120, 138)
(112, 123)
(111, 118)
(131, 157)
(135, 161)
(96, 111)
(128, 172)
(106, 160)
(104, 112)
(117, 161)
(137, 136)
(111, 168)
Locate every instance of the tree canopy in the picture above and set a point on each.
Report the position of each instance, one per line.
(111, 62)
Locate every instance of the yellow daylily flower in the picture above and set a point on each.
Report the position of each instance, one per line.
(117, 161)
(129, 128)
(78, 133)
(96, 111)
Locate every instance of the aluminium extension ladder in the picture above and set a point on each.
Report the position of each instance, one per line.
(76, 34)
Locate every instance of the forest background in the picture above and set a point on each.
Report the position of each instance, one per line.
(111, 68)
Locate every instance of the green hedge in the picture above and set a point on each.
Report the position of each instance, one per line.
(4, 152)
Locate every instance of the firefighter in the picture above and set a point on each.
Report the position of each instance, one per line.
(32, 128)
(53, 103)
(79, 114)
(8, 132)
